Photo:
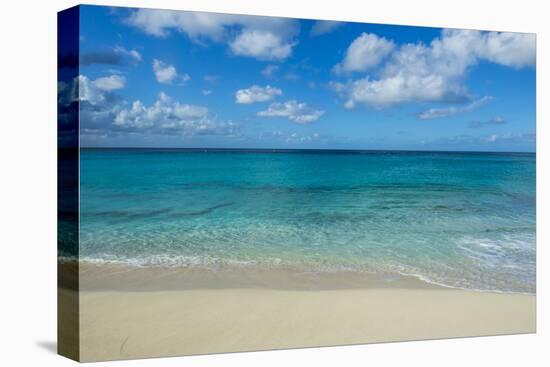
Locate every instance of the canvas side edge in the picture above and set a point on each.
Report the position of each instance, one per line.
(68, 303)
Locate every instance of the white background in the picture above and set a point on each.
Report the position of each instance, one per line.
(28, 182)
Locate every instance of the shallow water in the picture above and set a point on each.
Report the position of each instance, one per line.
(463, 220)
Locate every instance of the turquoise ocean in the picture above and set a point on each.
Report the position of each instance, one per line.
(464, 220)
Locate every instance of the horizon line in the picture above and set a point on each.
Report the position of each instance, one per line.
(309, 149)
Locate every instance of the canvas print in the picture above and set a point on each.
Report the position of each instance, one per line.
(240, 183)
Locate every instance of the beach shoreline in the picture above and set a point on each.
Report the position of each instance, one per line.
(104, 276)
(125, 314)
(120, 277)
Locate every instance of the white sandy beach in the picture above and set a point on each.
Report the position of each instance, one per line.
(119, 324)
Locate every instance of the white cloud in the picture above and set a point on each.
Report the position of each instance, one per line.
(270, 70)
(103, 113)
(98, 102)
(114, 56)
(522, 141)
(109, 83)
(434, 113)
(256, 94)
(293, 110)
(509, 49)
(261, 45)
(67, 92)
(398, 89)
(89, 92)
(295, 138)
(167, 115)
(321, 27)
(497, 120)
(290, 137)
(163, 72)
(159, 22)
(211, 78)
(291, 76)
(436, 72)
(133, 54)
(365, 52)
(166, 73)
(258, 37)
(206, 92)
(97, 92)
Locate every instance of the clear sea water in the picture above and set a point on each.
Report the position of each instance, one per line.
(464, 220)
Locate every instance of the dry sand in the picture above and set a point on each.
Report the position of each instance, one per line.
(119, 322)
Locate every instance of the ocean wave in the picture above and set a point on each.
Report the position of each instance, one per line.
(420, 187)
(129, 214)
(141, 214)
(266, 264)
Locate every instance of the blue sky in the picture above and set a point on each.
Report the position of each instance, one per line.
(157, 78)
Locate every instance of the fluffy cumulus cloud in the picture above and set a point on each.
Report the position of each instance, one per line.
(67, 110)
(294, 111)
(321, 27)
(258, 37)
(166, 73)
(95, 91)
(511, 49)
(365, 52)
(435, 113)
(111, 82)
(197, 25)
(104, 113)
(96, 97)
(435, 72)
(67, 92)
(256, 94)
(94, 100)
(169, 116)
(262, 45)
